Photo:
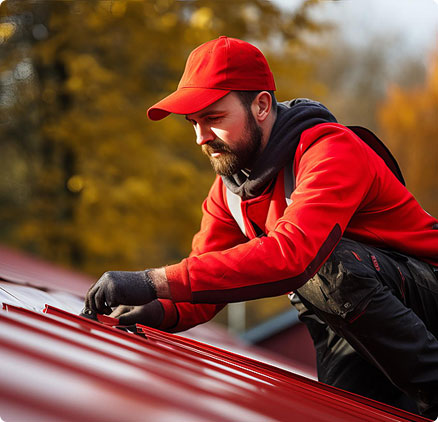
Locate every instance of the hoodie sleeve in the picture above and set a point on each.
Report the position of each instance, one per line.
(333, 178)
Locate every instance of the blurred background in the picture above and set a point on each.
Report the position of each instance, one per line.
(88, 182)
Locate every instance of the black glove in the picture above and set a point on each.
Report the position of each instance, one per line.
(151, 314)
(116, 288)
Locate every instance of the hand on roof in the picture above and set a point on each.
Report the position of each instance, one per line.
(116, 288)
(151, 314)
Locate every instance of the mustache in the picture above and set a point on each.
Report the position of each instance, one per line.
(215, 146)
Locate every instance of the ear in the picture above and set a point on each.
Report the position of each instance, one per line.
(262, 106)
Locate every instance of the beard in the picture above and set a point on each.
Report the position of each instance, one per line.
(242, 157)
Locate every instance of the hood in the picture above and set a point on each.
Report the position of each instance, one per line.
(293, 117)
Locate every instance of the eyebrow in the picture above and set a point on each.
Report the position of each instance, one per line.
(206, 113)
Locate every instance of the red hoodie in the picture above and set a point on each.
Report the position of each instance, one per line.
(343, 188)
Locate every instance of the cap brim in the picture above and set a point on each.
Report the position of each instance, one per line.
(185, 101)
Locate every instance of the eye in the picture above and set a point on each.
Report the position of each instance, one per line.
(192, 122)
(213, 119)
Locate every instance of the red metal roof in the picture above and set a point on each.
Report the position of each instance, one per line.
(25, 269)
(57, 366)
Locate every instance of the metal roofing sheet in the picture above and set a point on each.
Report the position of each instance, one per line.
(56, 366)
(63, 366)
(26, 269)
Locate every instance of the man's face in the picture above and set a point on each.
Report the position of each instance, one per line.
(228, 134)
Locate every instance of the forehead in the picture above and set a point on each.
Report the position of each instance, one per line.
(229, 103)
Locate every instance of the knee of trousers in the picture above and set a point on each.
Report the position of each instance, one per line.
(345, 284)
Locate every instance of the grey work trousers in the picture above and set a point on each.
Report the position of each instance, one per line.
(373, 317)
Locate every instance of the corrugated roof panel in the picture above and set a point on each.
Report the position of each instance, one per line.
(59, 366)
(143, 377)
(26, 269)
(36, 299)
(78, 369)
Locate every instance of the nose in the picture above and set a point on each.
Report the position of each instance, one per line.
(203, 134)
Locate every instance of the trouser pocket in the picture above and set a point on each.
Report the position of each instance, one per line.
(345, 283)
(384, 305)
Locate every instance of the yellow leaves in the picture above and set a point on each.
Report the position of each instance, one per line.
(86, 74)
(118, 8)
(168, 20)
(251, 13)
(90, 195)
(408, 119)
(86, 63)
(7, 29)
(96, 19)
(433, 77)
(407, 110)
(75, 183)
(161, 6)
(124, 191)
(74, 83)
(135, 189)
(405, 117)
(202, 18)
(48, 95)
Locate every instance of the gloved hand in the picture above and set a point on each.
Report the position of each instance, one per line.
(151, 314)
(116, 288)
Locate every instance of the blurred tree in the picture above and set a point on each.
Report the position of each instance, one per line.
(354, 77)
(87, 180)
(408, 120)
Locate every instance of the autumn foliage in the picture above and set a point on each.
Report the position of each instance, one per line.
(87, 180)
(409, 124)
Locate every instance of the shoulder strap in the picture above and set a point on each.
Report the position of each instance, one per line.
(289, 182)
(380, 148)
(234, 201)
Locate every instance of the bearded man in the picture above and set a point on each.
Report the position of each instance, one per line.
(301, 205)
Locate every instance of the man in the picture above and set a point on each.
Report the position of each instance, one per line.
(300, 204)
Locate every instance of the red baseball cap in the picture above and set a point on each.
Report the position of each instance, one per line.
(213, 70)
